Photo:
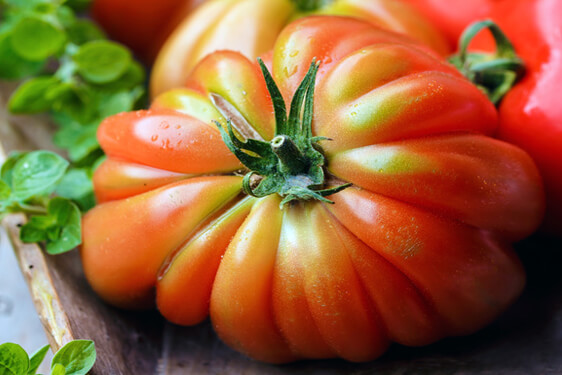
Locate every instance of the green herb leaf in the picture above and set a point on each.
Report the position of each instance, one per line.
(83, 31)
(77, 186)
(8, 167)
(121, 101)
(12, 65)
(30, 97)
(77, 357)
(75, 101)
(5, 193)
(36, 39)
(53, 234)
(60, 227)
(58, 369)
(13, 359)
(37, 173)
(102, 61)
(133, 78)
(68, 219)
(36, 360)
(60, 92)
(35, 230)
(86, 79)
(98, 162)
(65, 16)
(43, 7)
(79, 140)
(78, 5)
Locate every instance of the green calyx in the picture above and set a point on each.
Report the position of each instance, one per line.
(311, 5)
(290, 164)
(494, 73)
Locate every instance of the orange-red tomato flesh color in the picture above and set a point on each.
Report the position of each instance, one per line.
(416, 249)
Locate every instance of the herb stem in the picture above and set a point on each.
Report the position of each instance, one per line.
(29, 209)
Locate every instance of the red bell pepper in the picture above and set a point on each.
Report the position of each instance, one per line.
(531, 113)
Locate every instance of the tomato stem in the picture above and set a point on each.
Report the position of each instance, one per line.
(291, 159)
(494, 73)
(311, 5)
(290, 165)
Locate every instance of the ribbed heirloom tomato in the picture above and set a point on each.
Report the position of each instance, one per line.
(252, 26)
(216, 201)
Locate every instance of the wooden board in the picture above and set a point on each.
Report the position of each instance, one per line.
(527, 339)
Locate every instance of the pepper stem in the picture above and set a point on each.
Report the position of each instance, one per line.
(494, 73)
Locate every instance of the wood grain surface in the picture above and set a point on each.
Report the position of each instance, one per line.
(526, 339)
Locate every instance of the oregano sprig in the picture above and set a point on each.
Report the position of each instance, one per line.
(75, 73)
(79, 77)
(75, 358)
(27, 181)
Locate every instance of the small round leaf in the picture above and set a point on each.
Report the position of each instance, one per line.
(37, 173)
(58, 369)
(5, 193)
(13, 359)
(68, 221)
(12, 65)
(83, 31)
(102, 61)
(77, 357)
(30, 97)
(36, 39)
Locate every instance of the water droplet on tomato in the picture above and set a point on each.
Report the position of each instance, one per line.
(154, 138)
(166, 144)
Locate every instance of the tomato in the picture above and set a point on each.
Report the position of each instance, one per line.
(251, 27)
(142, 25)
(530, 116)
(290, 261)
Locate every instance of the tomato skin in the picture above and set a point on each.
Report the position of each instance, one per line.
(251, 27)
(124, 266)
(409, 264)
(424, 259)
(530, 116)
(141, 25)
